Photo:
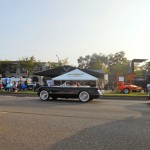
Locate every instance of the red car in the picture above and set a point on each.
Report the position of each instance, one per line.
(0, 85)
(127, 88)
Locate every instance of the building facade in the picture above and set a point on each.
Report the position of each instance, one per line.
(16, 70)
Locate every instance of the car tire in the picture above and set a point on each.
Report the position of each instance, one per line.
(84, 96)
(44, 95)
(126, 91)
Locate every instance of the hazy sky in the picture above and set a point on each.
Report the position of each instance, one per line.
(73, 28)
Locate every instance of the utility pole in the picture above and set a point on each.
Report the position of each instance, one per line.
(58, 58)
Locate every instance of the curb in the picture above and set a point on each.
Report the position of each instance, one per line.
(144, 98)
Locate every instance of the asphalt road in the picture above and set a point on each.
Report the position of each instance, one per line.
(26, 123)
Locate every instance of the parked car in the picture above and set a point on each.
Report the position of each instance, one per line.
(127, 88)
(1, 85)
(84, 94)
(31, 86)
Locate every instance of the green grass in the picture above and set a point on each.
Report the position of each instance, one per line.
(28, 92)
(133, 94)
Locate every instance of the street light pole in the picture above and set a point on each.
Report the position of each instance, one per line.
(58, 58)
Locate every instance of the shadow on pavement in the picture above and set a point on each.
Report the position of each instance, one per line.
(128, 134)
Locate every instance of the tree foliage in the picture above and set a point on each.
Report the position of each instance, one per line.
(112, 63)
(63, 62)
(117, 58)
(52, 64)
(4, 66)
(83, 62)
(95, 61)
(139, 70)
(118, 63)
(30, 63)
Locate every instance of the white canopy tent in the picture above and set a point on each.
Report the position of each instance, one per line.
(75, 75)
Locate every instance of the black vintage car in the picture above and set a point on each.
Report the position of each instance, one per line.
(84, 94)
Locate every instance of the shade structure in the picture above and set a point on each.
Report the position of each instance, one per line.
(64, 69)
(75, 75)
(54, 72)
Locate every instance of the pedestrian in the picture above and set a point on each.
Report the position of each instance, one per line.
(14, 86)
(23, 87)
(19, 86)
(78, 83)
(148, 90)
(4, 84)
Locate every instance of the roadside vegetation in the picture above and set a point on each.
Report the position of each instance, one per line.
(21, 93)
(133, 94)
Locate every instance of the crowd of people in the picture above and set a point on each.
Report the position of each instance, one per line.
(14, 86)
(7, 84)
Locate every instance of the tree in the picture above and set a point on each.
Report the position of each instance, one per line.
(83, 63)
(111, 64)
(146, 66)
(117, 63)
(63, 62)
(98, 61)
(117, 58)
(4, 66)
(52, 65)
(95, 61)
(29, 63)
(59, 63)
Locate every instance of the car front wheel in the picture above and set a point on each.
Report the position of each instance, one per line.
(44, 95)
(84, 96)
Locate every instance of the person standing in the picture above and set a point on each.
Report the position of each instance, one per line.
(4, 84)
(148, 90)
(14, 87)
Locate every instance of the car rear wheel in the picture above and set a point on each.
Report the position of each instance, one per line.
(84, 96)
(126, 91)
(44, 95)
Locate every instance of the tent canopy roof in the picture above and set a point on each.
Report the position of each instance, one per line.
(54, 72)
(75, 75)
(64, 69)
